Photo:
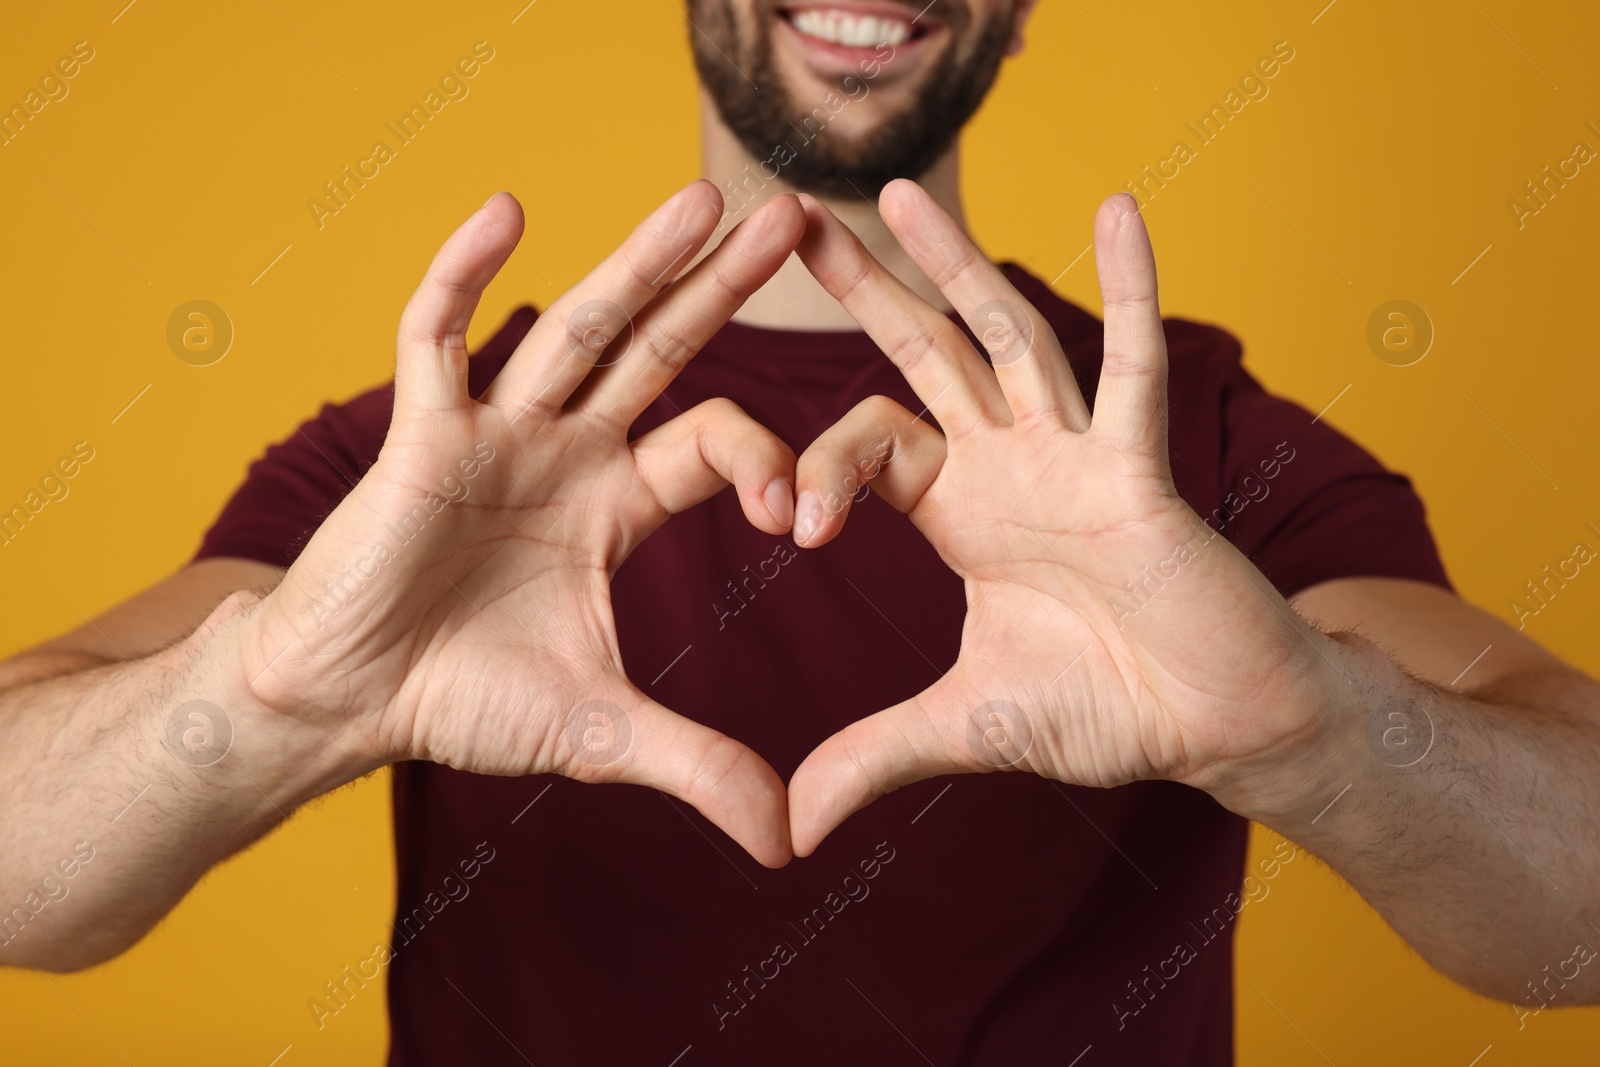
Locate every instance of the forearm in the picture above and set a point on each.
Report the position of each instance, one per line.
(121, 785)
(1470, 821)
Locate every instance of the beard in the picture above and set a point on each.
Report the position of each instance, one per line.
(824, 162)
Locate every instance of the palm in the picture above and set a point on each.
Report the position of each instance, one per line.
(1053, 626)
(456, 606)
(1110, 636)
(518, 629)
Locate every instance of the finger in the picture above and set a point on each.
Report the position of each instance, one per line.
(931, 734)
(930, 350)
(578, 330)
(1131, 404)
(668, 333)
(431, 349)
(712, 445)
(1027, 359)
(878, 442)
(631, 738)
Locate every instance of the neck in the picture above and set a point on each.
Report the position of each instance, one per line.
(792, 299)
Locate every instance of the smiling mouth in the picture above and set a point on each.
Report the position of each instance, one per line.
(852, 29)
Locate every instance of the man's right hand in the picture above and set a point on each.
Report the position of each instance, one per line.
(456, 606)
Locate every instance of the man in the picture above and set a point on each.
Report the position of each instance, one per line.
(471, 576)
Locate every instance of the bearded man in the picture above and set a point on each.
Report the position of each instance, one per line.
(1017, 539)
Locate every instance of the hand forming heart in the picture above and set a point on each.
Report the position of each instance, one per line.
(456, 606)
(1051, 517)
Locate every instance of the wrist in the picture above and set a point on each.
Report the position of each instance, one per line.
(288, 752)
(1332, 706)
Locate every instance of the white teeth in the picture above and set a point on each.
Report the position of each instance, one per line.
(840, 27)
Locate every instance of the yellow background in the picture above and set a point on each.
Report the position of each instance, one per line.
(1379, 167)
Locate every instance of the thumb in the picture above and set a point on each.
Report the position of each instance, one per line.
(633, 739)
(939, 731)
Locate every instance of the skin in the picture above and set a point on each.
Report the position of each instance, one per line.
(487, 641)
(794, 300)
(1319, 697)
(1217, 682)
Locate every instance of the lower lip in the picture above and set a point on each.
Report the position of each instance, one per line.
(845, 58)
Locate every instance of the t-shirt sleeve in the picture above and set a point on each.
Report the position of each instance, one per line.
(289, 491)
(1306, 503)
(292, 488)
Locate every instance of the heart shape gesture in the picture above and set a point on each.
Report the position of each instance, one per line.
(1050, 516)
(456, 606)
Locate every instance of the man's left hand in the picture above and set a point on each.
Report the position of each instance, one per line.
(1111, 635)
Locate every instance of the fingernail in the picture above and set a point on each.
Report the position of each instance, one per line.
(809, 509)
(489, 201)
(779, 498)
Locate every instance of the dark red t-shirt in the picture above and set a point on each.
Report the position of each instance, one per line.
(986, 919)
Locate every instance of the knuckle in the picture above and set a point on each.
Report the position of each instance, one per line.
(737, 280)
(965, 256)
(879, 409)
(871, 782)
(1130, 300)
(1126, 364)
(577, 333)
(913, 348)
(1042, 419)
(457, 285)
(594, 327)
(444, 340)
(718, 762)
(637, 268)
(719, 410)
(666, 345)
(853, 271)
